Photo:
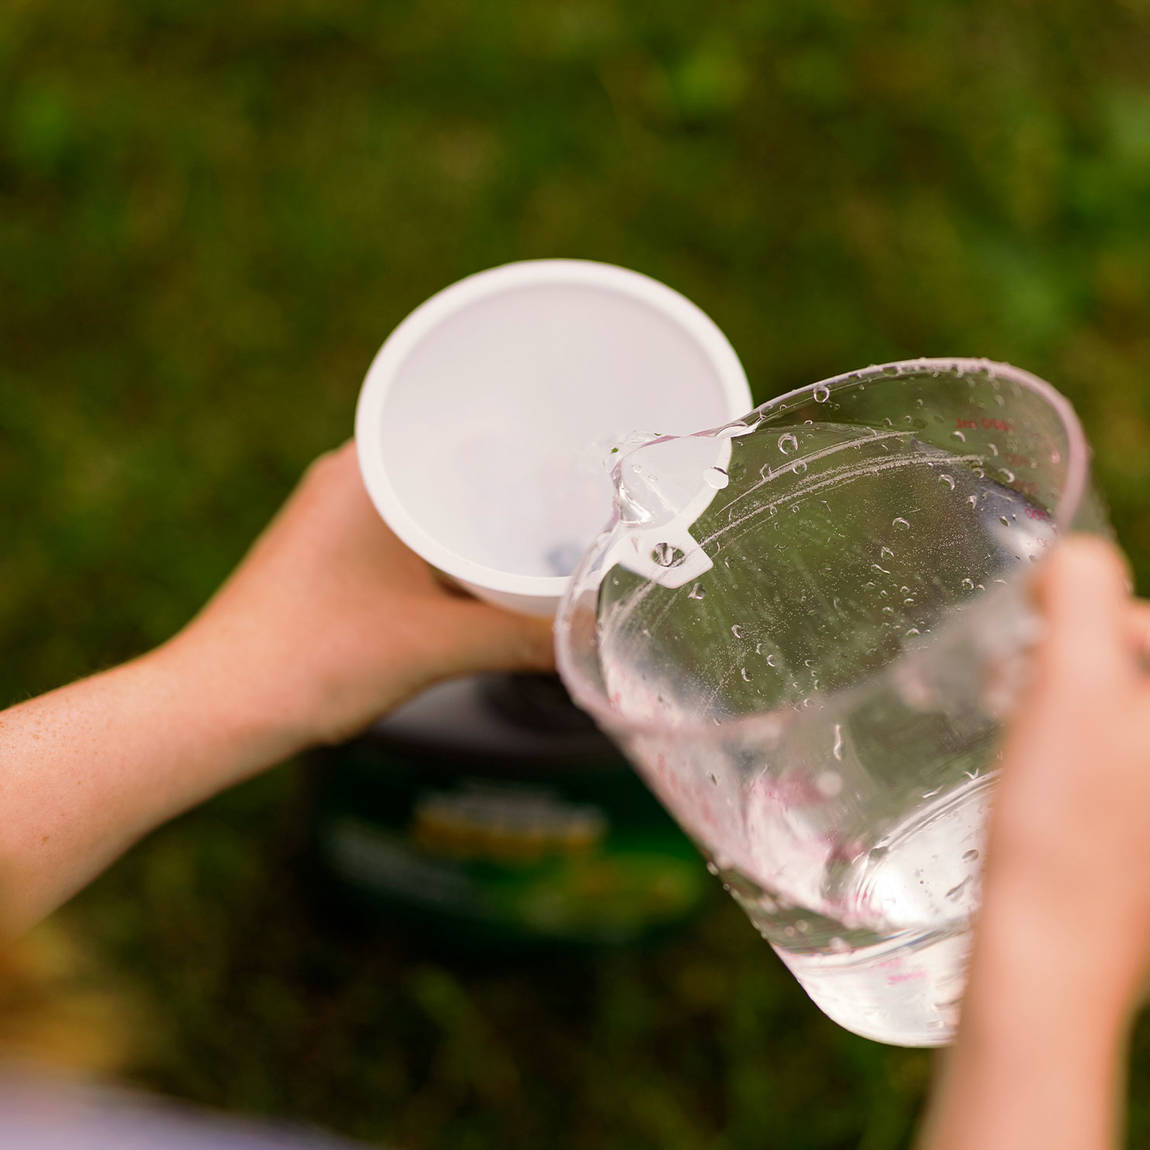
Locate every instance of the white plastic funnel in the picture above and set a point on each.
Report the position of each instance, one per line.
(490, 419)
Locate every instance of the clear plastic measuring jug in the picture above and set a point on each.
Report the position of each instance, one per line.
(805, 628)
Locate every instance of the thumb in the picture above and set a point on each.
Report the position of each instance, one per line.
(492, 639)
(1082, 590)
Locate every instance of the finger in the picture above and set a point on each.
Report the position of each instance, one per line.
(1082, 591)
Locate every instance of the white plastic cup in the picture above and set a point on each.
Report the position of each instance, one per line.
(490, 419)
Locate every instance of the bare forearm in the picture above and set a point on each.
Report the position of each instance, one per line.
(1043, 1088)
(1040, 1057)
(87, 769)
(327, 623)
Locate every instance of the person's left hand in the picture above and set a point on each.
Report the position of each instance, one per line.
(331, 621)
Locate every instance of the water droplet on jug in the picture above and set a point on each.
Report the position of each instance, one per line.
(821, 393)
(948, 480)
(712, 869)
(696, 592)
(799, 467)
(771, 661)
(901, 523)
(1004, 521)
(788, 443)
(736, 630)
(968, 584)
(908, 602)
(837, 749)
(885, 553)
(911, 631)
(716, 477)
(969, 856)
(838, 945)
(993, 448)
(956, 891)
(802, 926)
(666, 555)
(959, 435)
(743, 672)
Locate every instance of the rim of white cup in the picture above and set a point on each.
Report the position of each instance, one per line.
(593, 699)
(464, 293)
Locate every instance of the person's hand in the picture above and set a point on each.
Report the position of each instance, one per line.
(1069, 854)
(328, 623)
(1063, 935)
(331, 621)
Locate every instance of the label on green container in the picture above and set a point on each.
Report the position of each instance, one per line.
(585, 855)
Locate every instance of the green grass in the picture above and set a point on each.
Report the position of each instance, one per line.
(210, 217)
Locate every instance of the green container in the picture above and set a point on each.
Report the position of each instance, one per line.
(490, 809)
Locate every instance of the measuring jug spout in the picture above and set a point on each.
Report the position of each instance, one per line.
(661, 487)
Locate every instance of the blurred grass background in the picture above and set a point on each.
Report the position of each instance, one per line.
(210, 217)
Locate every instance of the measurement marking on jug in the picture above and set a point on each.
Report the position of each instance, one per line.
(985, 423)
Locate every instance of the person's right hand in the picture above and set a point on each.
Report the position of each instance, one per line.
(1062, 940)
(1069, 856)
